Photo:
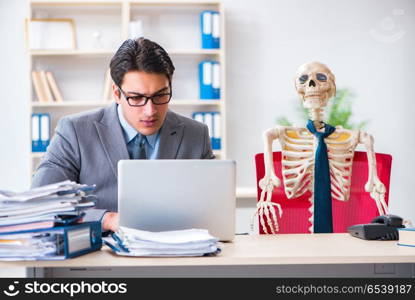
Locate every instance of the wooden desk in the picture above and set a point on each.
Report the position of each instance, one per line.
(251, 255)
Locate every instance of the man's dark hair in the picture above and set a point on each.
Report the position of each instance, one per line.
(140, 55)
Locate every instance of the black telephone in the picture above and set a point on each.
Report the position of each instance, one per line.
(383, 227)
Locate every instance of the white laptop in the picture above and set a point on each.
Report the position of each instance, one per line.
(161, 195)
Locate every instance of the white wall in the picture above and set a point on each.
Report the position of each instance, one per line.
(14, 87)
(266, 42)
(14, 91)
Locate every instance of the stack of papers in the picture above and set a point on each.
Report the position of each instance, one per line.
(33, 223)
(190, 242)
(59, 242)
(61, 202)
(27, 246)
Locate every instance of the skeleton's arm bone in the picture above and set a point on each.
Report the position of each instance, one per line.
(270, 180)
(267, 183)
(268, 137)
(368, 141)
(374, 186)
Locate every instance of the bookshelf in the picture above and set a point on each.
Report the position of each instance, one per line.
(100, 28)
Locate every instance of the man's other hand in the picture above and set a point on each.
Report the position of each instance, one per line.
(110, 221)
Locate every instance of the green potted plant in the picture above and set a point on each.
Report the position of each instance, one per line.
(339, 112)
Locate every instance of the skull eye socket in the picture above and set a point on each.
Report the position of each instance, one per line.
(303, 78)
(321, 77)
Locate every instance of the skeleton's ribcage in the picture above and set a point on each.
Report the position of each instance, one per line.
(298, 153)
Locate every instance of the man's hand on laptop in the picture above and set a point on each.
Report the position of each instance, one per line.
(110, 221)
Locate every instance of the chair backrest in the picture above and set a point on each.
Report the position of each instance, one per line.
(360, 208)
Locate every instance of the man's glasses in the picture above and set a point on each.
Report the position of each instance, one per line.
(141, 100)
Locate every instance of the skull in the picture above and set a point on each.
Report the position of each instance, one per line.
(315, 84)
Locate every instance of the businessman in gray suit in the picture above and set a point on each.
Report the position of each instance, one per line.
(138, 125)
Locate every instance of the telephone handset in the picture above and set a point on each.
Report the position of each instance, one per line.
(383, 227)
(389, 220)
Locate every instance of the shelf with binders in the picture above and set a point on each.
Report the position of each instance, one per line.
(54, 115)
(213, 120)
(101, 25)
(80, 72)
(187, 78)
(86, 77)
(173, 25)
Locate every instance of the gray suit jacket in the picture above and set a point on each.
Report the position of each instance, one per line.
(87, 147)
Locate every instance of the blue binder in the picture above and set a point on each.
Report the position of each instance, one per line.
(36, 144)
(208, 119)
(206, 29)
(198, 116)
(44, 131)
(40, 132)
(210, 29)
(205, 80)
(209, 80)
(213, 122)
(215, 30)
(215, 80)
(71, 240)
(216, 136)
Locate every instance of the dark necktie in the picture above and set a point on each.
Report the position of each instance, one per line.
(141, 147)
(323, 217)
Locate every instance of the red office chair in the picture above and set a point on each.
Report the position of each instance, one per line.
(360, 208)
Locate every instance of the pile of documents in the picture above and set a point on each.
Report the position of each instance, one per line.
(53, 243)
(27, 219)
(190, 242)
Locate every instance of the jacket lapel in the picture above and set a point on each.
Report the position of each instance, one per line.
(111, 136)
(170, 137)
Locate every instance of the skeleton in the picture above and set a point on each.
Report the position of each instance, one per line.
(315, 85)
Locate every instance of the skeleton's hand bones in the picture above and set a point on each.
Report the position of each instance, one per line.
(266, 207)
(377, 191)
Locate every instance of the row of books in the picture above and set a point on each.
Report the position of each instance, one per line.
(45, 86)
(47, 90)
(209, 79)
(210, 29)
(40, 132)
(213, 122)
(45, 223)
